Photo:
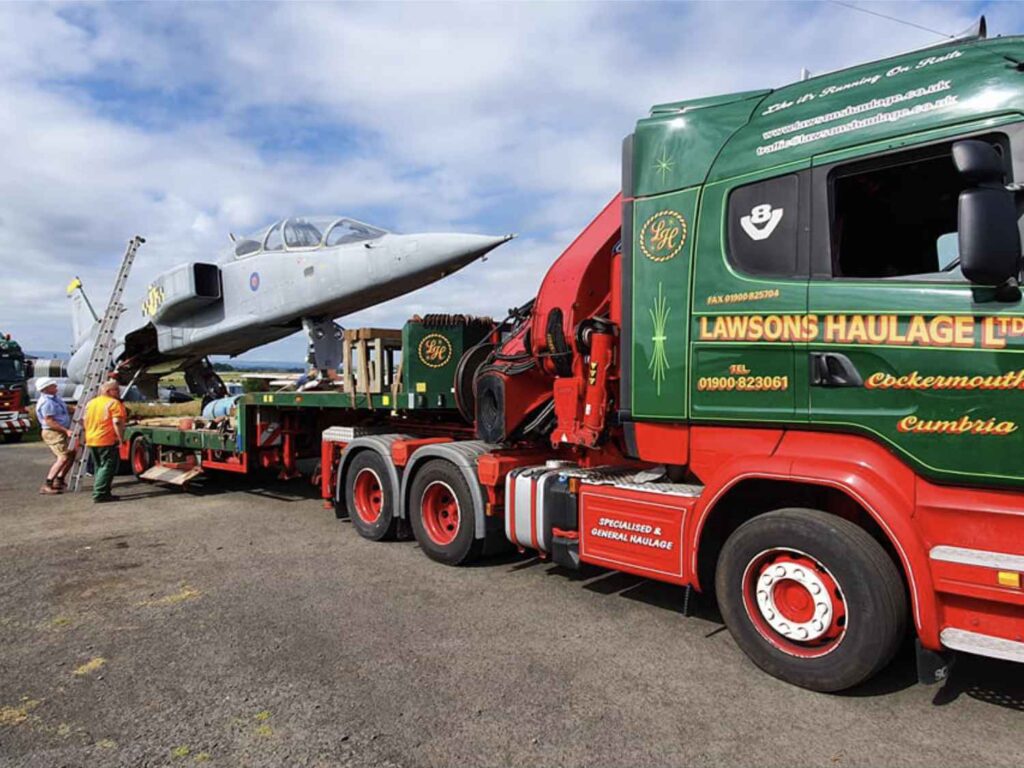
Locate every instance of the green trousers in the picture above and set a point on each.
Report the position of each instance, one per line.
(105, 461)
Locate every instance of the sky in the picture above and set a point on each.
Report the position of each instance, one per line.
(185, 122)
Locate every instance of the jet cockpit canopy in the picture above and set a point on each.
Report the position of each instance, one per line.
(306, 233)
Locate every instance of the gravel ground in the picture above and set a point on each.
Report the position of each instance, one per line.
(243, 625)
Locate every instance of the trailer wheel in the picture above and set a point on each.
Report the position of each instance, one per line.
(140, 455)
(811, 598)
(442, 515)
(368, 498)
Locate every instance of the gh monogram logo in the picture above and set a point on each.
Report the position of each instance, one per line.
(663, 235)
(435, 350)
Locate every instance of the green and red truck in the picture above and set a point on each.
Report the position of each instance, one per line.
(784, 366)
(14, 418)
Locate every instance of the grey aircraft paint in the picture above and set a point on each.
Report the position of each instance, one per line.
(311, 269)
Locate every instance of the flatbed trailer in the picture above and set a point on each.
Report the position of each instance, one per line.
(277, 430)
(782, 366)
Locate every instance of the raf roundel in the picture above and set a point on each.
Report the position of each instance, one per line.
(254, 281)
(663, 235)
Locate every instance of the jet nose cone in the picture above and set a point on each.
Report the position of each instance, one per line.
(449, 252)
(457, 249)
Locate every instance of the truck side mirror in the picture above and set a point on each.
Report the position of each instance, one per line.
(978, 162)
(987, 216)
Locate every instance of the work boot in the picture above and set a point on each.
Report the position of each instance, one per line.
(48, 490)
(104, 499)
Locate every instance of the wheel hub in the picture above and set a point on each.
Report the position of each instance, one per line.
(794, 602)
(139, 457)
(368, 495)
(440, 510)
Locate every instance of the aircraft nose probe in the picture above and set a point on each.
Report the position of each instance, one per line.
(448, 252)
(405, 262)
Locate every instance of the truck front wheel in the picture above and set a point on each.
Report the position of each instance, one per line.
(368, 497)
(811, 598)
(442, 515)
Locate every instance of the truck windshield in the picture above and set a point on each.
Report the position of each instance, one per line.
(11, 369)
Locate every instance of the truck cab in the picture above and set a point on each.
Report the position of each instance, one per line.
(14, 419)
(822, 311)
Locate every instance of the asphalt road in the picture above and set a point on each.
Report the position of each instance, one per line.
(246, 626)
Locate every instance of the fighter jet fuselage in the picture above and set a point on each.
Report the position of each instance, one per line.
(296, 270)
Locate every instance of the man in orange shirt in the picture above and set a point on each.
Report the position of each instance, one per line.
(105, 418)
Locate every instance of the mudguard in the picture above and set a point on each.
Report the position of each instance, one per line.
(464, 455)
(380, 444)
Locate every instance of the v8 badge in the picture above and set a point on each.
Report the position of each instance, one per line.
(761, 221)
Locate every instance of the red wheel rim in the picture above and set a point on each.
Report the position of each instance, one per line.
(139, 463)
(368, 495)
(795, 603)
(440, 513)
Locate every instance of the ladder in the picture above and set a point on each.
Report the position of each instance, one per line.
(100, 359)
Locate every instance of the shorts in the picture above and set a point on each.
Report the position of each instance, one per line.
(57, 442)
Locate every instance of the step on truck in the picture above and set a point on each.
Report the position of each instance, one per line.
(14, 418)
(785, 366)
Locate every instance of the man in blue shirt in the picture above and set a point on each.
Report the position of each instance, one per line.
(53, 417)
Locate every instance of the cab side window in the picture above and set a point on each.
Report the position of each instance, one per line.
(894, 216)
(763, 230)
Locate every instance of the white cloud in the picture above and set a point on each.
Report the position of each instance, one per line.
(505, 117)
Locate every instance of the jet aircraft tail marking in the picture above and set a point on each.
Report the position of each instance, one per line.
(83, 316)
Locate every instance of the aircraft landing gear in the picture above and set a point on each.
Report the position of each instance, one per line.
(203, 380)
(326, 347)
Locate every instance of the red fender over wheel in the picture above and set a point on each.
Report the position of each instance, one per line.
(857, 466)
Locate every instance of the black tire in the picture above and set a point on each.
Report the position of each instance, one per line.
(443, 479)
(141, 455)
(868, 590)
(373, 519)
(13, 437)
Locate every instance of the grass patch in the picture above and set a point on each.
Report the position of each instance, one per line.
(263, 729)
(90, 666)
(185, 593)
(19, 714)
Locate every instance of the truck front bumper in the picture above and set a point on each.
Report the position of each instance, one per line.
(14, 423)
(981, 598)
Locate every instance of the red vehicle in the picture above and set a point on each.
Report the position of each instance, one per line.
(736, 379)
(801, 536)
(14, 418)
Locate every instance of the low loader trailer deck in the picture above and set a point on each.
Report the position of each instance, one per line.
(783, 366)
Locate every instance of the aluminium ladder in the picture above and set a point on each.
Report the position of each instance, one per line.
(100, 359)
